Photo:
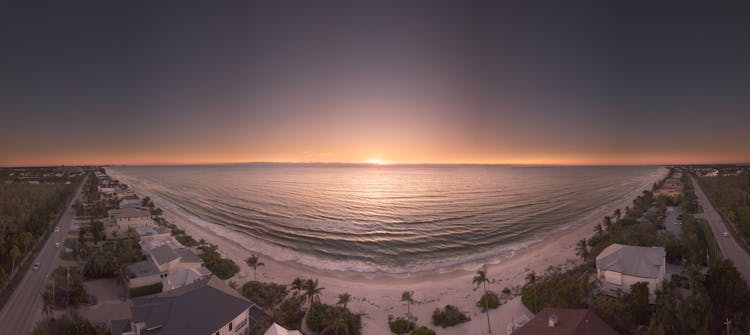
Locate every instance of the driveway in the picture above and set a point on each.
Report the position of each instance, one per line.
(671, 223)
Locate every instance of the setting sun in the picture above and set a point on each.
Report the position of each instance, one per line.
(377, 161)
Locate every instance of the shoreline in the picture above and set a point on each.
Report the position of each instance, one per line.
(377, 294)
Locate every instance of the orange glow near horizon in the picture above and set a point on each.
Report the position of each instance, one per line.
(519, 160)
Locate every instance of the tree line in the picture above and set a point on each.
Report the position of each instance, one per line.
(707, 294)
(26, 215)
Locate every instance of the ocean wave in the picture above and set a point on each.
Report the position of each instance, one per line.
(367, 239)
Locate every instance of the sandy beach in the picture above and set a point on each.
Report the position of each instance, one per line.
(378, 295)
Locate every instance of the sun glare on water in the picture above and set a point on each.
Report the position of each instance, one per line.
(376, 161)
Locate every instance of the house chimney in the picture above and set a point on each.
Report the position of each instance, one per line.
(552, 320)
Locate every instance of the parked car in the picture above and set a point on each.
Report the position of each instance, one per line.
(57, 244)
(726, 234)
(36, 266)
(57, 229)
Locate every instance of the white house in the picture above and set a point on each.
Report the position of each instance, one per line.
(154, 232)
(129, 203)
(127, 218)
(107, 192)
(173, 267)
(183, 277)
(620, 266)
(275, 329)
(207, 307)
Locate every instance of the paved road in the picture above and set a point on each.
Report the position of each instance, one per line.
(26, 302)
(729, 247)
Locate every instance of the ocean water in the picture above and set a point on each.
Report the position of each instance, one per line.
(395, 219)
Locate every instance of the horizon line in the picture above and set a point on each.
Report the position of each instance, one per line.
(375, 164)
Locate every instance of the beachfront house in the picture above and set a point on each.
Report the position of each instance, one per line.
(167, 264)
(125, 194)
(129, 203)
(207, 307)
(124, 219)
(565, 321)
(153, 232)
(620, 266)
(107, 192)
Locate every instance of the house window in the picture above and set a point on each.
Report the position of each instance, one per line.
(230, 326)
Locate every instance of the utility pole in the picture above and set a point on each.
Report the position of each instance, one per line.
(67, 286)
(727, 323)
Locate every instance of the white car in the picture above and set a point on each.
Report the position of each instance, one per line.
(57, 229)
(726, 234)
(57, 244)
(35, 267)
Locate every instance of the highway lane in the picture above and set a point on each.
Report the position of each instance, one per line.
(25, 304)
(730, 248)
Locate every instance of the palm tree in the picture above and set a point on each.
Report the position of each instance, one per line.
(598, 229)
(26, 239)
(298, 284)
(14, 253)
(312, 291)
(607, 222)
(408, 297)
(253, 262)
(617, 213)
(582, 249)
(122, 274)
(344, 299)
(531, 277)
(481, 279)
(337, 325)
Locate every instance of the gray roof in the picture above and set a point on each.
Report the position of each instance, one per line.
(164, 254)
(143, 268)
(162, 230)
(631, 260)
(199, 308)
(570, 322)
(119, 326)
(187, 256)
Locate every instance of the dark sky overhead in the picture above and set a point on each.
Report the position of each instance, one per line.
(555, 82)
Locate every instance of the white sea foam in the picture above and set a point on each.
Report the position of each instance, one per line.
(468, 261)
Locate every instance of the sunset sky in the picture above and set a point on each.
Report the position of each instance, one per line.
(596, 82)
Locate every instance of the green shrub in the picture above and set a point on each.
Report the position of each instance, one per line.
(321, 315)
(400, 325)
(289, 313)
(558, 288)
(186, 240)
(448, 317)
(423, 331)
(488, 300)
(68, 324)
(266, 295)
(223, 268)
(145, 290)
